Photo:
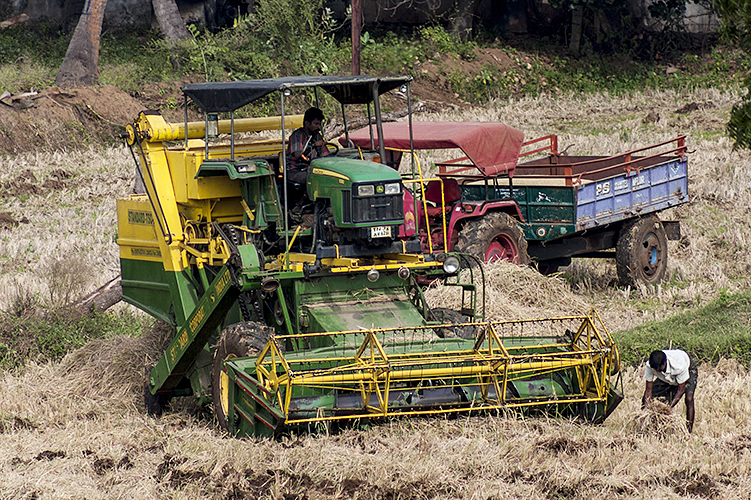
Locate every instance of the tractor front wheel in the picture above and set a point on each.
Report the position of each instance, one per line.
(641, 254)
(493, 237)
(237, 341)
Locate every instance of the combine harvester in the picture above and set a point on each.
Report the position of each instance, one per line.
(290, 320)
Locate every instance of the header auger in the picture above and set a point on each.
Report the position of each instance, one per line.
(287, 320)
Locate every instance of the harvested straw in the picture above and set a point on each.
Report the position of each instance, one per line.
(658, 419)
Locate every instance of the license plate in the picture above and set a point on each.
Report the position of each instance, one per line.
(380, 232)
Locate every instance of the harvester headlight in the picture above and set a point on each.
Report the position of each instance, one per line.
(373, 275)
(451, 265)
(393, 188)
(366, 190)
(403, 272)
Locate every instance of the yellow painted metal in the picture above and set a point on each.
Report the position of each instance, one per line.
(422, 181)
(137, 237)
(376, 369)
(175, 194)
(162, 132)
(345, 265)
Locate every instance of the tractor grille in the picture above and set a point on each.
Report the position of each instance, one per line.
(347, 206)
(377, 208)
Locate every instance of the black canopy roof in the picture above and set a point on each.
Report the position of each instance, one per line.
(229, 96)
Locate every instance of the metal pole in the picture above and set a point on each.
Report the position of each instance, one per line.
(284, 181)
(370, 129)
(185, 107)
(205, 134)
(379, 122)
(232, 135)
(356, 29)
(346, 131)
(412, 152)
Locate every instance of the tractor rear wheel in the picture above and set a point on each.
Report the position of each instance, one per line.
(237, 341)
(493, 237)
(641, 254)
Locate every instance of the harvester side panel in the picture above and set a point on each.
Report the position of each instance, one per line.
(145, 281)
(192, 337)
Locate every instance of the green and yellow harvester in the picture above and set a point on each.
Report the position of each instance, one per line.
(289, 320)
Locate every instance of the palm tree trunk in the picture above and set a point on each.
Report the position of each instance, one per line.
(171, 24)
(81, 63)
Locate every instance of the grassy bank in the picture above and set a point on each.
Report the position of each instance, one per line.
(476, 70)
(720, 329)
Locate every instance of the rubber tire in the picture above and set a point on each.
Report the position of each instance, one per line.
(236, 341)
(477, 236)
(641, 254)
(548, 267)
(155, 404)
(449, 316)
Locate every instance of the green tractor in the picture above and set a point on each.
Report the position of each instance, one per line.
(289, 320)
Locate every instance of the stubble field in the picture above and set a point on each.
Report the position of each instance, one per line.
(75, 429)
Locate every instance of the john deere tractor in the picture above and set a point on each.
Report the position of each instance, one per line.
(292, 318)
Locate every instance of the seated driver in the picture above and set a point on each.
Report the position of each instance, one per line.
(305, 144)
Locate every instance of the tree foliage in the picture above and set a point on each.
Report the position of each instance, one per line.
(295, 30)
(736, 21)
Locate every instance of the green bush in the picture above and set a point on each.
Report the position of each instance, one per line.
(51, 336)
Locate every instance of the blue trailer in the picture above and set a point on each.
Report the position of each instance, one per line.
(526, 202)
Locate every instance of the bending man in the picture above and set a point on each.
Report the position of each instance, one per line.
(669, 375)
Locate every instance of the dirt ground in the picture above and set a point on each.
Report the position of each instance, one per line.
(57, 119)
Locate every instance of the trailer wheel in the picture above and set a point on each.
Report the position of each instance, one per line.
(493, 237)
(237, 341)
(641, 254)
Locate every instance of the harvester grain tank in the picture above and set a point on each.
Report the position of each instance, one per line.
(289, 320)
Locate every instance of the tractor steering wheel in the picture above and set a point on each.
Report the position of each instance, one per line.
(329, 146)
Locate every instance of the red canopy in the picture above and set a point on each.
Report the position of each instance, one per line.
(492, 147)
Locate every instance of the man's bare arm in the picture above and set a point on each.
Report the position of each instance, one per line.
(647, 394)
(678, 394)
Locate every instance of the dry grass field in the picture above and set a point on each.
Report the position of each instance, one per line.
(75, 429)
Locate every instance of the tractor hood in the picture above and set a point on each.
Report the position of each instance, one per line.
(328, 176)
(350, 171)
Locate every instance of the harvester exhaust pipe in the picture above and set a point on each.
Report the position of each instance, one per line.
(269, 284)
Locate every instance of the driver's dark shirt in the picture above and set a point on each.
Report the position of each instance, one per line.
(298, 141)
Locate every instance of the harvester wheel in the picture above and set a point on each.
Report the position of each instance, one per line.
(155, 403)
(449, 316)
(641, 254)
(493, 237)
(237, 341)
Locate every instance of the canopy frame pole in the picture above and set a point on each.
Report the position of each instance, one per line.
(205, 135)
(232, 136)
(284, 181)
(370, 129)
(185, 109)
(379, 122)
(346, 130)
(412, 153)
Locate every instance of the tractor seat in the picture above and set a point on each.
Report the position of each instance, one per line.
(451, 191)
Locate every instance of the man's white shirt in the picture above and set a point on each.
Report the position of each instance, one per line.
(676, 372)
